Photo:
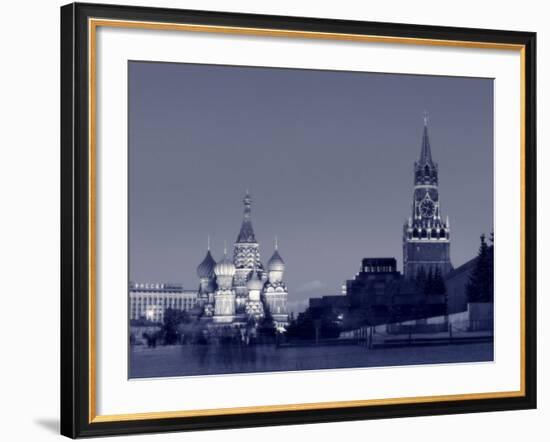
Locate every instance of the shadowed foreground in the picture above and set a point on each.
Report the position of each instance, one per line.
(186, 360)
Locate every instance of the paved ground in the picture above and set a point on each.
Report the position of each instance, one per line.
(204, 359)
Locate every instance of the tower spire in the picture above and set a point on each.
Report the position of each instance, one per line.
(247, 201)
(246, 234)
(425, 152)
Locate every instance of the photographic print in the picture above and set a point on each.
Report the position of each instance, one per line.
(292, 213)
(294, 219)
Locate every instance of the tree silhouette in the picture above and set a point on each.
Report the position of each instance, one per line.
(480, 286)
(173, 318)
(438, 285)
(429, 285)
(312, 325)
(266, 325)
(421, 279)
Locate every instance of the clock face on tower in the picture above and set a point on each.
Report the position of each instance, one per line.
(427, 208)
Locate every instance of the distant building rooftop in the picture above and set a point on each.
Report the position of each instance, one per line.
(158, 287)
(379, 265)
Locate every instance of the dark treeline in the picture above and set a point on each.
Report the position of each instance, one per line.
(480, 287)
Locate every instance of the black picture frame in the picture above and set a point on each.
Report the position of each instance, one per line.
(75, 221)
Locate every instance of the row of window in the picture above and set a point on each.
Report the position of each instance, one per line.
(379, 269)
(180, 303)
(156, 300)
(186, 305)
(434, 233)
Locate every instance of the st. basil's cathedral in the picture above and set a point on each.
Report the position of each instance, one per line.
(239, 289)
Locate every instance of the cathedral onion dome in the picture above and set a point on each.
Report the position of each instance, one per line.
(225, 267)
(206, 267)
(276, 263)
(255, 283)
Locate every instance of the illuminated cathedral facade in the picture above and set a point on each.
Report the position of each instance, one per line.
(240, 289)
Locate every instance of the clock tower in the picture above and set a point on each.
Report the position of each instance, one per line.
(426, 235)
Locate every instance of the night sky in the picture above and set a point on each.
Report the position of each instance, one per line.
(327, 157)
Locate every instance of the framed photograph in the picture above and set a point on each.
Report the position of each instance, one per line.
(274, 220)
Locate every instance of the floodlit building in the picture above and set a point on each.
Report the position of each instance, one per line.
(426, 234)
(150, 300)
(241, 289)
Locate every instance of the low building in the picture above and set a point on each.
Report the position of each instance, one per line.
(376, 283)
(379, 294)
(150, 300)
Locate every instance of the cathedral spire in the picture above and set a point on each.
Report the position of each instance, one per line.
(425, 152)
(246, 234)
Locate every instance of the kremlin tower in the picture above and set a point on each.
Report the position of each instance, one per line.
(426, 234)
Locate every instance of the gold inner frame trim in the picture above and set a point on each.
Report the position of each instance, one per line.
(93, 24)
